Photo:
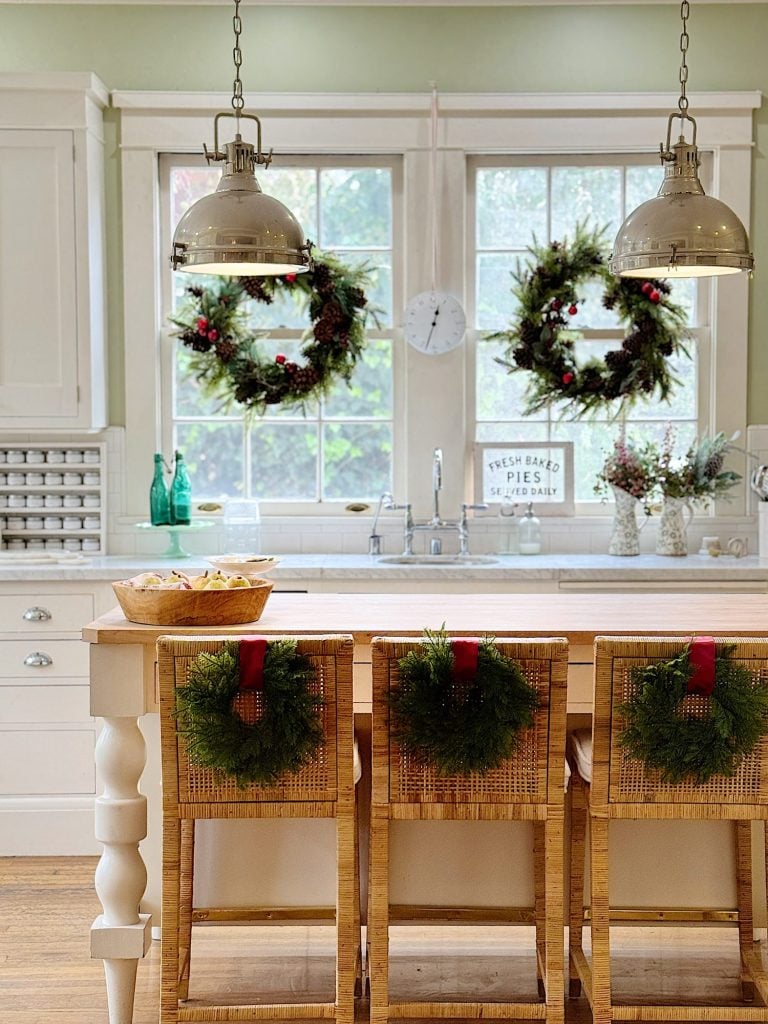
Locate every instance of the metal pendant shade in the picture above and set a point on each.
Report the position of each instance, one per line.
(238, 230)
(682, 232)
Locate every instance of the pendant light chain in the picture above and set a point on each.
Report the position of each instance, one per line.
(237, 56)
(685, 39)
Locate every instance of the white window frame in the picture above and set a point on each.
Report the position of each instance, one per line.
(435, 397)
(167, 344)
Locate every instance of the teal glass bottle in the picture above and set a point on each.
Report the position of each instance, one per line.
(181, 494)
(159, 498)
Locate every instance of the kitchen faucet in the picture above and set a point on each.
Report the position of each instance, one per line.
(433, 525)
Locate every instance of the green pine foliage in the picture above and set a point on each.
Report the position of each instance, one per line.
(283, 740)
(458, 727)
(682, 746)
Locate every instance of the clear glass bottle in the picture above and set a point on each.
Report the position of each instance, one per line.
(530, 532)
(242, 527)
(181, 493)
(159, 499)
(509, 531)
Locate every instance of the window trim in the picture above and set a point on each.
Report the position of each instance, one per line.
(399, 123)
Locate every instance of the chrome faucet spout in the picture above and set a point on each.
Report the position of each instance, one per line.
(437, 483)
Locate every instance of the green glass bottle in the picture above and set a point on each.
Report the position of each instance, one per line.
(159, 499)
(181, 494)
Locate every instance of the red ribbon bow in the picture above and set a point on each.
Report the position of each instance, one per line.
(464, 659)
(252, 652)
(701, 658)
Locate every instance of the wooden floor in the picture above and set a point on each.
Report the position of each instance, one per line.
(47, 977)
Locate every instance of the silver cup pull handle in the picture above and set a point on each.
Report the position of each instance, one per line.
(37, 614)
(38, 659)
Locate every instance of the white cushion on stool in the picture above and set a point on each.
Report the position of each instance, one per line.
(567, 776)
(581, 745)
(357, 768)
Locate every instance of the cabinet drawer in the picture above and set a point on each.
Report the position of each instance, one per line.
(47, 761)
(45, 613)
(67, 657)
(44, 704)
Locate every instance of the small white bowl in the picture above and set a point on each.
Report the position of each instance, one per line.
(244, 564)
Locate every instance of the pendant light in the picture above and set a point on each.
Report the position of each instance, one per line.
(682, 232)
(238, 230)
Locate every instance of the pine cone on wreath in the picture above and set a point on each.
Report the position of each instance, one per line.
(322, 280)
(225, 350)
(357, 298)
(254, 287)
(333, 313)
(199, 343)
(617, 359)
(666, 348)
(523, 358)
(324, 331)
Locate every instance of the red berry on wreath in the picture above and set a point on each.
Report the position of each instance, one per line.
(290, 278)
(213, 334)
(567, 378)
(202, 325)
(280, 358)
(655, 296)
(291, 367)
(647, 288)
(557, 304)
(573, 310)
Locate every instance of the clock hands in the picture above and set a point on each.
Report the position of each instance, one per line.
(432, 328)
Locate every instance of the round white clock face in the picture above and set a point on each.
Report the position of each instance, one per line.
(434, 322)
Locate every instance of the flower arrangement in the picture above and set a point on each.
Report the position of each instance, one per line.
(630, 468)
(700, 474)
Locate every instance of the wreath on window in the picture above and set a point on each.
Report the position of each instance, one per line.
(541, 340)
(460, 706)
(227, 357)
(689, 742)
(283, 739)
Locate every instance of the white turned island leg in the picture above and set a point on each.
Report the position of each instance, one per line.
(120, 935)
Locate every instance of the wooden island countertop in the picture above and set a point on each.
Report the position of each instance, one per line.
(579, 617)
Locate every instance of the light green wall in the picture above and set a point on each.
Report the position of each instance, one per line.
(368, 49)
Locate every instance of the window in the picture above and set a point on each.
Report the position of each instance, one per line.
(519, 199)
(340, 449)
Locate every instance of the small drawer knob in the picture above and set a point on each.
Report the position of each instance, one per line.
(37, 614)
(38, 659)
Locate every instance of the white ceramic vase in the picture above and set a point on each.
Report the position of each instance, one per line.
(625, 538)
(672, 538)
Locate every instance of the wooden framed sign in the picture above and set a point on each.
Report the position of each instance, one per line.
(521, 471)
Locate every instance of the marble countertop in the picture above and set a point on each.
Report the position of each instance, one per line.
(327, 567)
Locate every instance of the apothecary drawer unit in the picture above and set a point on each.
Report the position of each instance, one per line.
(53, 497)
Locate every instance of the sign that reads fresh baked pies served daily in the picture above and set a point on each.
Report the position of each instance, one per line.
(522, 471)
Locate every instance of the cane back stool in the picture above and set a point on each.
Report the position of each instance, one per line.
(607, 784)
(323, 788)
(526, 787)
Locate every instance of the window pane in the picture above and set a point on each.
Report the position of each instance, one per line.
(500, 395)
(284, 461)
(356, 207)
(289, 309)
(379, 291)
(511, 207)
(190, 400)
(214, 456)
(590, 194)
(357, 460)
(591, 443)
(369, 393)
(642, 184)
(683, 402)
(188, 184)
(296, 188)
(526, 430)
(495, 302)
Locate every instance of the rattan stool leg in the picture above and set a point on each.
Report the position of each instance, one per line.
(744, 897)
(357, 910)
(601, 944)
(378, 916)
(346, 937)
(554, 864)
(169, 948)
(577, 796)
(540, 896)
(186, 885)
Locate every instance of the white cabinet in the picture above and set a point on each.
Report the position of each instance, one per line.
(52, 306)
(47, 736)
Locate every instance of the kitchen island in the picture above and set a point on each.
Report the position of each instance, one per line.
(122, 681)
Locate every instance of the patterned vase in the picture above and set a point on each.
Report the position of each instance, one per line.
(625, 539)
(672, 537)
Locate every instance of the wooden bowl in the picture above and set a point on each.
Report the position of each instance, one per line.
(155, 607)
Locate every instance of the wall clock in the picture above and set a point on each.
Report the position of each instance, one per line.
(434, 322)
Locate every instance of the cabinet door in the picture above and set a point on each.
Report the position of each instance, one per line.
(38, 277)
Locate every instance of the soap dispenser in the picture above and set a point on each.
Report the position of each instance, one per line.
(530, 532)
(509, 540)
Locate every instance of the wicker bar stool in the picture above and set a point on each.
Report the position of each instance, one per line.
(527, 787)
(607, 784)
(324, 788)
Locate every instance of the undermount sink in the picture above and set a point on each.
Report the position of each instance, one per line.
(437, 560)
